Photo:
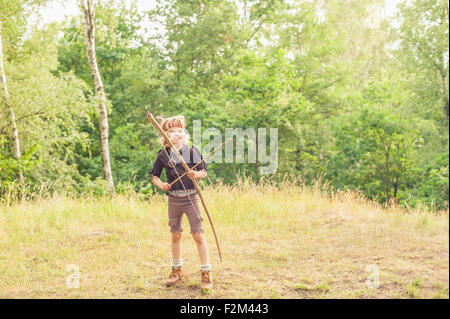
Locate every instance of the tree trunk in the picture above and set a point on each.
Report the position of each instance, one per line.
(387, 182)
(445, 95)
(395, 187)
(88, 9)
(443, 75)
(8, 107)
(256, 157)
(245, 11)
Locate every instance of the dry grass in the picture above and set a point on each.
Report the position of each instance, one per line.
(278, 242)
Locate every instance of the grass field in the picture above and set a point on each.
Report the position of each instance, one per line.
(285, 242)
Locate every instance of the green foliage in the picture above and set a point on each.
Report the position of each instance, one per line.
(52, 110)
(13, 21)
(356, 101)
(9, 167)
(131, 158)
(372, 152)
(424, 52)
(432, 184)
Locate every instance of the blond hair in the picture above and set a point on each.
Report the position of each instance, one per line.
(174, 121)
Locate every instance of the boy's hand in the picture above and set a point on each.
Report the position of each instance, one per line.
(192, 174)
(165, 186)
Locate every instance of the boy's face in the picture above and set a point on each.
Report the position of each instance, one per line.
(176, 134)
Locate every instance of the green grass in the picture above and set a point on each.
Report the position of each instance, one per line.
(289, 241)
(414, 288)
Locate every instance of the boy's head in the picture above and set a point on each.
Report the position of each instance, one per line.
(174, 121)
(175, 128)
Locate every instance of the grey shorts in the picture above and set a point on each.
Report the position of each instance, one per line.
(180, 205)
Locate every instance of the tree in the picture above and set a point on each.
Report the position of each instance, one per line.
(202, 39)
(13, 14)
(424, 48)
(9, 108)
(375, 145)
(88, 8)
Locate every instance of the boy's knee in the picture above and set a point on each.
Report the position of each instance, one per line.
(199, 237)
(176, 236)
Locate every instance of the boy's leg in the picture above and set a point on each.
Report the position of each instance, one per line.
(205, 268)
(196, 224)
(176, 228)
(194, 215)
(175, 218)
(176, 246)
(177, 262)
(202, 247)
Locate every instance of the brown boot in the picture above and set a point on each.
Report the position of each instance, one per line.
(175, 276)
(206, 284)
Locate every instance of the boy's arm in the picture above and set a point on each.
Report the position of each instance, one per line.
(157, 181)
(201, 174)
(156, 172)
(201, 171)
(197, 174)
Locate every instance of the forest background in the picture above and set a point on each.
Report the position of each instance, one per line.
(360, 98)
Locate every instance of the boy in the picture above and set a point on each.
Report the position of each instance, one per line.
(182, 197)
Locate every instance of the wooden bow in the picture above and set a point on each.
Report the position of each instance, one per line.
(194, 181)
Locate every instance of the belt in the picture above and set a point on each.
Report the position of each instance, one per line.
(181, 192)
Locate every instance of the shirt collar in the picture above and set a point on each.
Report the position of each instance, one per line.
(180, 150)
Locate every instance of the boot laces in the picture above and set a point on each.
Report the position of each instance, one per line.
(205, 276)
(175, 272)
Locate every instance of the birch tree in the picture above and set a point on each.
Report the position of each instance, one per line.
(9, 109)
(88, 9)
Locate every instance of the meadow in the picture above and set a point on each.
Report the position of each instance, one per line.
(285, 241)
